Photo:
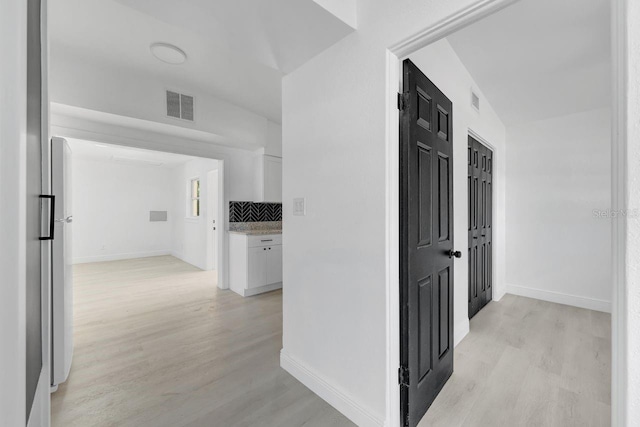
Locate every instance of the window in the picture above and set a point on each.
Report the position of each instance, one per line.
(194, 202)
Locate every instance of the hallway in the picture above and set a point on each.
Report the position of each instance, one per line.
(158, 344)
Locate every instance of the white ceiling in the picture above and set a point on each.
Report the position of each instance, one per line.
(539, 59)
(126, 155)
(237, 50)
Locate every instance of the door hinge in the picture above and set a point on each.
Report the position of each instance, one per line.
(403, 376)
(402, 101)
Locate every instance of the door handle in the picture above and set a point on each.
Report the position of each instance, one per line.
(67, 220)
(52, 210)
(453, 253)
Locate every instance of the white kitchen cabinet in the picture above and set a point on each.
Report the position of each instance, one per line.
(268, 179)
(274, 264)
(255, 263)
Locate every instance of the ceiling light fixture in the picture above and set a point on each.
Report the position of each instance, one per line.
(168, 53)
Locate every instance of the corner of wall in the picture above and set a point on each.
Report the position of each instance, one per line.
(460, 331)
(343, 402)
(560, 298)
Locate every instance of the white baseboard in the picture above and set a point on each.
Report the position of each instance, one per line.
(181, 257)
(459, 332)
(560, 298)
(497, 296)
(262, 289)
(344, 403)
(116, 257)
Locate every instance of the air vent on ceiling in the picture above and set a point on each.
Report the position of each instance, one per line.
(475, 101)
(180, 106)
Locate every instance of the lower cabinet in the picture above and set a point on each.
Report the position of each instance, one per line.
(255, 263)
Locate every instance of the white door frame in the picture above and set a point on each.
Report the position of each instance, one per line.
(214, 245)
(113, 135)
(401, 50)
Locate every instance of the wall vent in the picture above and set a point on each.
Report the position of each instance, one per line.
(475, 101)
(180, 106)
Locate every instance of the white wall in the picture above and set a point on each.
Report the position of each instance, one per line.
(189, 237)
(111, 210)
(274, 140)
(335, 257)
(442, 66)
(629, 299)
(105, 88)
(558, 198)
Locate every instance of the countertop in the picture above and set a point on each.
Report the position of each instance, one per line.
(256, 232)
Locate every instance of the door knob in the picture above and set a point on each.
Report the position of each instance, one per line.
(453, 253)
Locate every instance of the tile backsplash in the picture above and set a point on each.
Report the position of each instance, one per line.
(254, 212)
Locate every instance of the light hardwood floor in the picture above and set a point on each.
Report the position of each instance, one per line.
(527, 362)
(157, 344)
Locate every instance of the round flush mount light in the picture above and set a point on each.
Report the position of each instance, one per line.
(168, 53)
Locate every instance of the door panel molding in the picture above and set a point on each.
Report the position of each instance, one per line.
(480, 232)
(426, 204)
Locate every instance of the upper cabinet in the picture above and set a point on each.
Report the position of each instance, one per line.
(268, 179)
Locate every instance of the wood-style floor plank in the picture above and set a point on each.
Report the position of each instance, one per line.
(158, 344)
(527, 362)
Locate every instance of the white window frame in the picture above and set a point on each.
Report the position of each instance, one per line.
(191, 198)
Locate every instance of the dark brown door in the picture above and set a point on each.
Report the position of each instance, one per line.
(480, 167)
(426, 230)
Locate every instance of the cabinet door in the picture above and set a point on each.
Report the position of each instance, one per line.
(273, 180)
(257, 267)
(274, 264)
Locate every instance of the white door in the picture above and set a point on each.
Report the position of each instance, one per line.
(274, 264)
(212, 218)
(62, 283)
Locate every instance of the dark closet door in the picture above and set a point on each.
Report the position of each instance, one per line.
(426, 229)
(480, 189)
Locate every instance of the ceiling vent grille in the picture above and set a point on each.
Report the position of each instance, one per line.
(180, 106)
(475, 101)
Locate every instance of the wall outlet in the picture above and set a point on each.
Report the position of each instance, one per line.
(299, 206)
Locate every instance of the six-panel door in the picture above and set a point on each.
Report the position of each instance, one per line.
(426, 228)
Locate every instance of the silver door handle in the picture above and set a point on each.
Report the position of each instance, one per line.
(68, 219)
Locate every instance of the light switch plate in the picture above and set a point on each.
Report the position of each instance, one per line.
(299, 207)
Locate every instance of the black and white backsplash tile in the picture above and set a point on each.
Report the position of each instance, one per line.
(254, 212)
